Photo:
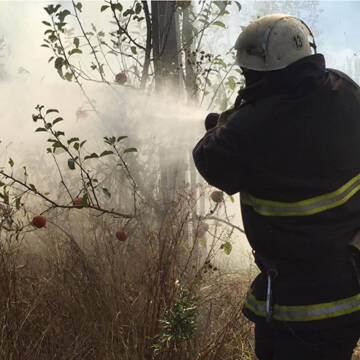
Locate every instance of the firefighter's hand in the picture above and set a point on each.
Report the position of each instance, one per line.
(211, 121)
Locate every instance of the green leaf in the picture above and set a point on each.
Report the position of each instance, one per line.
(72, 140)
(238, 5)
(68, 76)
(121, 138)
(57, 144)
(11, 162)
(106, 192)
(40, 129)
(75, 51)
(117, 6)
(219, 23)
(232, 198)
(79, 6)
(58, 119)
(219, 61)
(128, 12)
(59, 62)
(227, 248)
(51, 59)
(33, 188)
(62, 15)
(82, 143)
(85, 200)
(17, 203)
(130, 150)
(104, 7)
(106, 152)
(46, 23)
(71, 164)
(59, 133)
(5, 196)
(25, 174)
(76, 42)
(51, 110)
(52, 38)
(133, 50)
(110, 141)
(231, 82)
(91, 156)
(49, 9)
(1, 184)
(221, 5)
(138, 8)
(76, 146)
(44, 45)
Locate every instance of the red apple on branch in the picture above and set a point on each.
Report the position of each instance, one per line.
(121, 78)
(217, 196)
(39, 221)
(78, 202)
(121, 235)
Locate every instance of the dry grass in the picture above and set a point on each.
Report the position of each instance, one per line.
(356, 355)
(74, 291)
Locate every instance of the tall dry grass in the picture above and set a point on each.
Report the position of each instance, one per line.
(74, 291)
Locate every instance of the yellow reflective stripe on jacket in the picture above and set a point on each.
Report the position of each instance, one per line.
(306, 207)
(322, 311)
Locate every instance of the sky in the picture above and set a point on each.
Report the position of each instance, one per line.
(340, 25)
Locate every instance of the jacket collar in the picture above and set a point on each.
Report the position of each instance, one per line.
(298, 78)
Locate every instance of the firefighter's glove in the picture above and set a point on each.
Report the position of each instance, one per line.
(211, 121)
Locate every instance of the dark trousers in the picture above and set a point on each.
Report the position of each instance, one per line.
(287, 344)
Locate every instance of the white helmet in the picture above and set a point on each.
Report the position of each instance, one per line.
(273, 42)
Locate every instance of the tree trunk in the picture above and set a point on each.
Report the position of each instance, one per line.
(165, 45)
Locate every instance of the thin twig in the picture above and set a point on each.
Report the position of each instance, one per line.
(72, 69)
(124, 30)
(88, 41)
(223, 221)
(61, 177)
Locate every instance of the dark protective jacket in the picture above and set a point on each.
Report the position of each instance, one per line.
(291, 147)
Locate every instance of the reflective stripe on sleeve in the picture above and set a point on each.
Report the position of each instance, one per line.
(305, 207)
(305, 312)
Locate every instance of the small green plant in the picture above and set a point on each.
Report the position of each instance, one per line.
(178, 323)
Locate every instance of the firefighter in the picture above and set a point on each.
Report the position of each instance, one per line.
(291, 147)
